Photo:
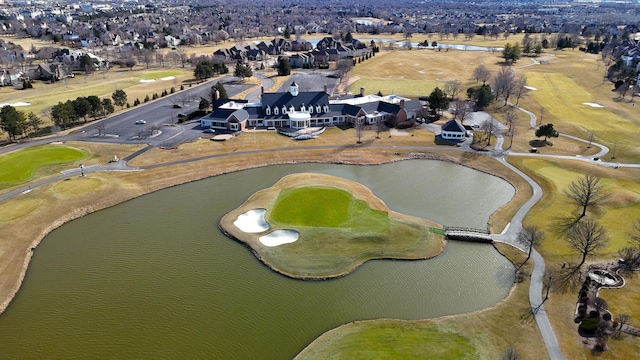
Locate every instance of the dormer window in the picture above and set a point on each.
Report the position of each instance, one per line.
(284, 109)
(275, 111)
(310, 109)
(317, 108)
(292, 109)
(268, 110)
(326, 108)
(302, 108)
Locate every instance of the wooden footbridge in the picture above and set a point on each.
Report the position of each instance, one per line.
(468, 234)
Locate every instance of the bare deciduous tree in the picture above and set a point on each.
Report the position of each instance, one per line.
(510, 354)
(586, 237)
(182, 55)
(359, 129)
(635, 233)
(488, 126)
(379, 127)
(463, 109)
(520, 88)
(622, 320)
(549, 283)
(452, 88)
(504, 84)
(511, 118)
(586, 191)
(344, 66)
(529, 237)
(481, 73)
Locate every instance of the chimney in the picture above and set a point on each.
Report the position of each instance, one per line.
(362, 91)
(326, 89)
(261, 91)
(402, 104)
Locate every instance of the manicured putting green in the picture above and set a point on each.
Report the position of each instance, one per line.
(20, 166)
(312, 206)
(322, 207)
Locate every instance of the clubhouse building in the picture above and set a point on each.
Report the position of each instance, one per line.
(297, 110)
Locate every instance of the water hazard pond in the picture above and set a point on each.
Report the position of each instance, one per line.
(154, 277)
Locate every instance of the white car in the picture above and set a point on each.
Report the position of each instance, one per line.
(208, 131)
(140, 122)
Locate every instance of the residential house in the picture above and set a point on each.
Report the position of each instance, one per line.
(301, 45)
(172, 42)
(301, 60)
(51, 72)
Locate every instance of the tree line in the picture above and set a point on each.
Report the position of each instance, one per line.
(70, 113)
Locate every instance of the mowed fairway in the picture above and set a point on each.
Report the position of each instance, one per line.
(389, 339)
(21, 165)
(564, 99)
(417, 72)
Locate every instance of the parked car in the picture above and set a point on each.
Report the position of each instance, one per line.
(182, 115)
(140, 122)
(177, 106)
(208, 131)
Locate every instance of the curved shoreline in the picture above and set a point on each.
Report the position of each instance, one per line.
(199, 174)
(429, 245)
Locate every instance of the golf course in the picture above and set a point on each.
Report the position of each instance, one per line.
(341, 224)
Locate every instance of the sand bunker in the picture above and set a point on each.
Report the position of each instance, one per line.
(279, 237)
(592, 104)
(252, 221)
(530, 87)
(16, 104)
(168, 78)
(147, 80)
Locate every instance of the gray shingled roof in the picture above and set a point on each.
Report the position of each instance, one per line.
(453, 126)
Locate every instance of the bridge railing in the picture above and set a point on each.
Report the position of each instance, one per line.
(466, 229)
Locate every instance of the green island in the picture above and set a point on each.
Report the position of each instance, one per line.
(341, 224)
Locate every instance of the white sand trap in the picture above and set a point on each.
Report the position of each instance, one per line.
(168, 78)
(16, 104)
(420, 72)
(592, 105)
(252, 221)
(530, 88)
(279, 237)
(147, 80)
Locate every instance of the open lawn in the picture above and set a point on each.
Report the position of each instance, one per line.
(615, 215)
(390, 339)
(417, 72)
(102, 84)
(358, 227)
(19, 166)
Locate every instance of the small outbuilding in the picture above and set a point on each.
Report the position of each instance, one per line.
(453, 130)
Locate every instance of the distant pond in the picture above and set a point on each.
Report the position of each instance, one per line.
(154, 277)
